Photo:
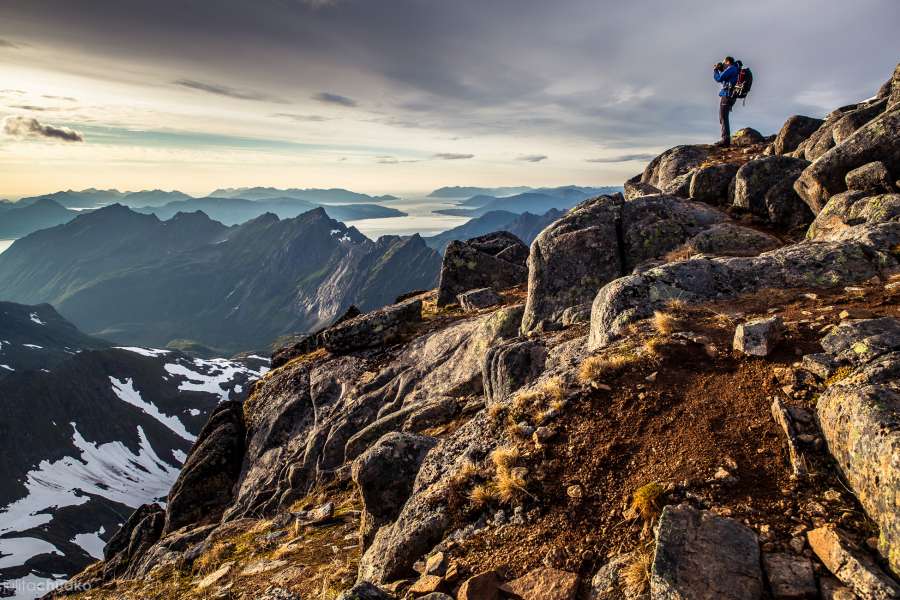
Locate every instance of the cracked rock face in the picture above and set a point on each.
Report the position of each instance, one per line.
(496, 260)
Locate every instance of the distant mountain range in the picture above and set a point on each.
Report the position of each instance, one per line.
(537, 201)
(526, 227)
(90, 433)
(132, 278)
(20, 220)
(316, 196)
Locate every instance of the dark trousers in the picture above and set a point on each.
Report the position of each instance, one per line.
(725, 106)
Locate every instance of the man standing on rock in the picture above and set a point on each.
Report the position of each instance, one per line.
(726, 73)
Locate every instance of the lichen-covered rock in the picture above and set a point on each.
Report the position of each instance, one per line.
(729, 239)
(496, 260)
(747, 137)
(142, 529)
(794, 132)
(894, 95)
(758, 337)
(477, 299)
(373, 330)
(205, 485)
(871, 177)
(608, 583)
(701, 556)
(845, 126)
(850, 209)
(858, 419)
(672, 163)
(508, 367)
(384, 475)
(635, 188)
(364, 591)
(598, 241)
(712, 184)
(680, 186)
(877, 140)
(851, 565)
(764, 187)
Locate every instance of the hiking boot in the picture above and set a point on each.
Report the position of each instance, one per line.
(722, 144)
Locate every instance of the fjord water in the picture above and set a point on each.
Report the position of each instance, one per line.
(420, 218)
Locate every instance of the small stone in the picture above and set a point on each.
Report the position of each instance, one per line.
(214, 577)
(832, 589)
(544, 584)
(651, 378)
(436, 564)
(477, 299)
(758, 337)
(427, 584)
(852, 566)
(797, 544)
(821, 365)
(790, 577)
(543, 434)
(892, 287)
(574, 491)
(484, 586)
(844, 315)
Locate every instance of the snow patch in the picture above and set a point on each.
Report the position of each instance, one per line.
(151, 352)
(126, 393)
(194, 412)
(16, 551)
(7, 367)
(210, 376)
(91, 543)
(35, 319)
(179, 456)
(33, 346)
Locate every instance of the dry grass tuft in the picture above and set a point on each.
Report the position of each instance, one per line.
(510, 484)
(647, 501)
(482, 495)
(595, 368)
(665, 323)
(654, 346)
(636, 574)
(677, 304)
(495, 411)
(505, 457)
(683, 252)
(534, 403)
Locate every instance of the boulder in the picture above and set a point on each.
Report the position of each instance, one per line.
(758, 337)
(844, 127)
(747, 137)
(790, 577)
(728, 239)
(544, 584)
(375, 329)
(820, 142)
(701, 556)
(795, 131)
(496, 260)
(871, 177)
(205, 485)
(851, 209)
(600, 240)
(851, 565)
(877, 140)
(508, 367)
(384, 475)
(364, 591)
(474, 300)
(712, 184)
(894, 96)
(674, 162)
(635, 188)
(681, 185)
(764, 187)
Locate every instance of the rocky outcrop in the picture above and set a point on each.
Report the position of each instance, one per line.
(729, 239)
(851, 209)
(509, 367)
(879, 140)
(673, 163)
(700, 556)
(205, 486)
(374, 329)
(858, 418)
(861, 253)
(712, 184)
(142, 529)
(496, 260)
(600, 240)
(384, 475)
(765, 188)
(795, 131)
(308, 343)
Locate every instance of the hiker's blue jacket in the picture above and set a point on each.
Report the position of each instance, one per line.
(727, 78)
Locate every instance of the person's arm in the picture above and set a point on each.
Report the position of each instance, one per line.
(721, 76)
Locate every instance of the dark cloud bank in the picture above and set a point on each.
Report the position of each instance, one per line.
(24, 127)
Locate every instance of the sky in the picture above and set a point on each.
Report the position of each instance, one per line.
(395, 96)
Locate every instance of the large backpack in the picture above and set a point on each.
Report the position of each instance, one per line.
(744, 81)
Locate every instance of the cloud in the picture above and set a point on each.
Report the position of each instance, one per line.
(452, 156)
(621, 158)
(23, 127)
(391, 160)
(7, 44)
(329, 98)
(302, 118)
(222, 90)
(30, 107)
(532, 158)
